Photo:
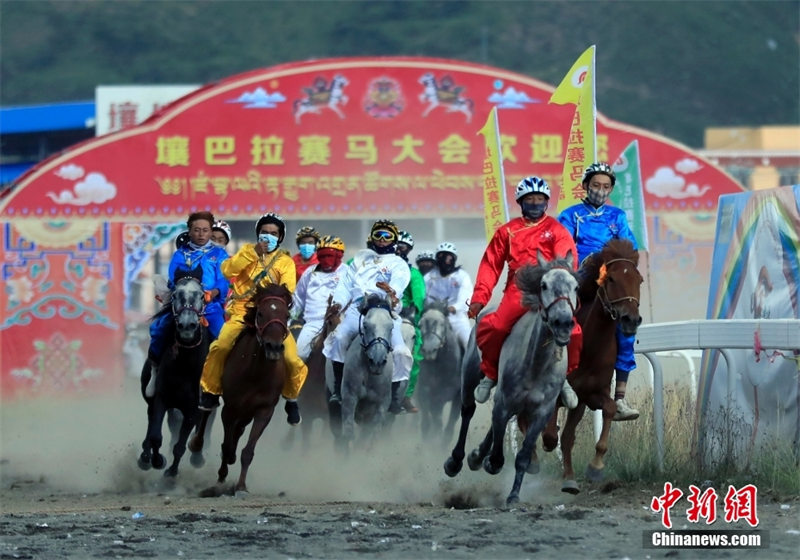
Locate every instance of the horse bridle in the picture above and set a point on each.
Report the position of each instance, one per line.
(260, 328)
(378, 339)
(178, 310)
(602, 294)
(546, 310)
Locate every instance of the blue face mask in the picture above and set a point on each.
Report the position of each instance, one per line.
(533, 211)
(270, 240)
(306, 250)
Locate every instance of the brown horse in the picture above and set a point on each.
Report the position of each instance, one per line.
(253, 378)
(609, 295)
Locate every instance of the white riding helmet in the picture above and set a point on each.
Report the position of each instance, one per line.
(405, 237)
(425, 256)
(531, 185)
(446, 247)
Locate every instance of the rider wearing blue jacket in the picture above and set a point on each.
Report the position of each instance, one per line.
(592, 224)
(197, 250)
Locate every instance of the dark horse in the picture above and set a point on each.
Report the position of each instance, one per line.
(176, 384)
(313, 399)
(439, 371)
(609, 294)
(533, 366)
(253, 377)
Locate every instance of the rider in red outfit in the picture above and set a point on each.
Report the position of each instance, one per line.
(517, 243)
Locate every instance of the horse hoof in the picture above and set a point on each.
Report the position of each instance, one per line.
(490, 467)
(593, 474)
(195, 445)
(570, 487)
(512, 499)
(197, 460)
(533, 467)
(158, 461)
(144, 462)
(171, 473)
(474, 460)
(241, 494)
(452, 467)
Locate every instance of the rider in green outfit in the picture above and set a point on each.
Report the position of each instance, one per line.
(413, 300)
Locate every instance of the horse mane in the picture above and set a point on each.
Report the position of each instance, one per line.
(590, 268)
(529, 280)
(438, 305)
(375, 300)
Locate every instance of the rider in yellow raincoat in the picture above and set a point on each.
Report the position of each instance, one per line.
(255, 264)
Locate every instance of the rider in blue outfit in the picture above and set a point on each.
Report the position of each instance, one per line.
(197, 250)
(592, 224)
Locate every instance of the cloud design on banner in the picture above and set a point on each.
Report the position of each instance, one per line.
(511, 99)
(688, 165)
(667, 184)
(95, 189)
(70, 172)
(259, 99)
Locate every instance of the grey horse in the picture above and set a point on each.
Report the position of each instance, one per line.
(367, 379)
(533, 366)
(439, 372)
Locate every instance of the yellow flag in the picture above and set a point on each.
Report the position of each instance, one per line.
(570, 88)
(581, 150)
(495, 207)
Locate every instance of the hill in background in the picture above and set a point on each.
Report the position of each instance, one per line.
(673, 67)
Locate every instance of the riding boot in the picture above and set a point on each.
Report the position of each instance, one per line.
(338, 374)
(396, 406)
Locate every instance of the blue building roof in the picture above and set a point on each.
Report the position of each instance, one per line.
(41, 118)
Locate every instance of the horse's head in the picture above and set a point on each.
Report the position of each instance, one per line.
(433, 327)
(551, 287)
(188, 304)
(619, 283)
(375, 329)
(271, 318)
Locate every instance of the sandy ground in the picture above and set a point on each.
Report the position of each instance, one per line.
(71, 489)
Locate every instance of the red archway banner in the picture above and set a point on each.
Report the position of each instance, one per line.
(347, 137)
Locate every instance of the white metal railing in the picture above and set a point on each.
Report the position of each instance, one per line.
(720, 334)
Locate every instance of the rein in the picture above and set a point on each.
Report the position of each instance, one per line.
(546, 310)
(602, 294)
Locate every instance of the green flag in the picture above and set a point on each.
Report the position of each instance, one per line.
(628, 193)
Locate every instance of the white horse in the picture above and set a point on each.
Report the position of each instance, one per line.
(367, 379)
(533, 366)
(434, 96)
(331, 98)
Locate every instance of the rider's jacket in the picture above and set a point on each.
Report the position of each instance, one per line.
(209, 257)
(246, 270)
(313, 289)
(365, 270)
(455, 288)
(415, 292)
(593, 227)
(516, 243)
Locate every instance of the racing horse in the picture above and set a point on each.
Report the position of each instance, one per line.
(440, 371)
(367, 379)
(533, 366)
(177, 381)
(253, 378)
(609, 295)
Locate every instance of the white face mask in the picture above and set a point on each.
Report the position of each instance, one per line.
(270, 240)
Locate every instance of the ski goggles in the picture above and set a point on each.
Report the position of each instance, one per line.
(381, 235)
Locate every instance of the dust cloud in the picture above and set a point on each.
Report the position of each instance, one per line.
(90, 445)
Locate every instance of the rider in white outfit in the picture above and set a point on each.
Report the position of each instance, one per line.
(376, 264)
(446, 282)
(313, 289)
